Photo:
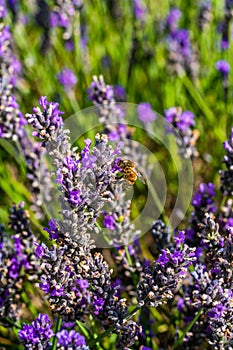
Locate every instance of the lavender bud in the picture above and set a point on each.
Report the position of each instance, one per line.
(38, 334)
(71, 340)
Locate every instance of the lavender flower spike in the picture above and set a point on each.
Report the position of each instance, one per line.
(172, 19)
(68, 79)
(38, 334)
(83, 177)
(183, 123)
(158, 283)
(223, 67)
(145, 113)
(71, 340)
(227, 175)
(18, 263)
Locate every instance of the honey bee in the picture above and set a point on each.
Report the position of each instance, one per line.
(129, 172)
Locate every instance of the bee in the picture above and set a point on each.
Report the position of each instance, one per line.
(129, 172)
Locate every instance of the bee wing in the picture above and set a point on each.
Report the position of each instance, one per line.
(141, 176)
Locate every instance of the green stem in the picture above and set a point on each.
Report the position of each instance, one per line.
(29, 304)
(58, 327)
(128, 256)
(74, 102)
(196, 95)
(95, 335)
(187, 329)
(155, 196)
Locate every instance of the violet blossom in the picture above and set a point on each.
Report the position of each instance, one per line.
(68, 79)
(183, 123)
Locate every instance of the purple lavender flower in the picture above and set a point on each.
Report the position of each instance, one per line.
(210, 292)
(204, 198)
(159, 282)
(83, 176)
(99, 92)
(109, 222)
(161, 237)
(225, 218)
(117, 133)
(203, 202)
(110, 114)
(211, 288)
(3, 10)
(172, 19)
(223, 67)
(225, 25)
(139, 9)
(205, 15)
(226, 176)
(68, 79)
(120, 93)
(128, 334)
(17, 262)
(11, 119)
(63, 14)
(183, 122)
(224, 44)
(73, 252)
(38, 334)
(145, 113)
(71, 340)
(181, 57)
(45, 126)
(12, 123)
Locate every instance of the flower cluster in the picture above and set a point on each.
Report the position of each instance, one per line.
(181, 56)
(76, 281)
(172, 19)
(161, 237)
(63, 15)
(158, 283)
(68, 79)
(145, 113)
(227, 175)
(102, 96)
(38, 334)
(83, 177)
(210, 292)
(225, 25)
(224, 68)
(205, 14)
(18, 263)
(202, 202)
(12, 122)
(182, 123)
(71, 340)
(11, 119)
(112, 116)
(128, 272)
(139, 9)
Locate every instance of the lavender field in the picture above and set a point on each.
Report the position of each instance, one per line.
(116, 181)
